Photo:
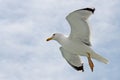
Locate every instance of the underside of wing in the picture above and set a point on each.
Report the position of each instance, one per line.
(79, 26)
(72, 59)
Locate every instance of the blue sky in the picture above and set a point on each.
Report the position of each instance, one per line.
(25, 24)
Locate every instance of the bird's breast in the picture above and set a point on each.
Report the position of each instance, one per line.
(75, 48)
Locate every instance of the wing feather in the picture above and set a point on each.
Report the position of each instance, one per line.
(72, 59)
(79, 26)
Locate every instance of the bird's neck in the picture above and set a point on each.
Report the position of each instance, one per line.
(61, 40)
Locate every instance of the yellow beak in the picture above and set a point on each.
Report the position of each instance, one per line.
(49, 39)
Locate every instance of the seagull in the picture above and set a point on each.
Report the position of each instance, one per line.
(78, 44)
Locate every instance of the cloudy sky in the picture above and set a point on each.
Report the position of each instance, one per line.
(25, 25)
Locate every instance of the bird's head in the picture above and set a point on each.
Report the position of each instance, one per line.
(55, 36)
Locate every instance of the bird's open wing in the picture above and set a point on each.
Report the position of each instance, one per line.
(72, 59)
(79, 27)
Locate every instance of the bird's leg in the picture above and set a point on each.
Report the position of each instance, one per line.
(90, 62)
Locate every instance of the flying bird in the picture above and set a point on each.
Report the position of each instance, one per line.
(78, 44)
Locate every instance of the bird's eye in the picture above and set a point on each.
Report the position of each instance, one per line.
(53, 34)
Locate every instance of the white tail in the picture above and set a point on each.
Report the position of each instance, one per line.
(99, 58)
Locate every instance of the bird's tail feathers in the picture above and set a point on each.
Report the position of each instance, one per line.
(99, 58)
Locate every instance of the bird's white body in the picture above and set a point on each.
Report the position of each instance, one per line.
(80, 49)
(72, 46)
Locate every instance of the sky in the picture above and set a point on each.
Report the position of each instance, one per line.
(25, 25)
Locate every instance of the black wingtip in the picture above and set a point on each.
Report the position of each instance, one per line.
(89, 9)
(80, 68)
